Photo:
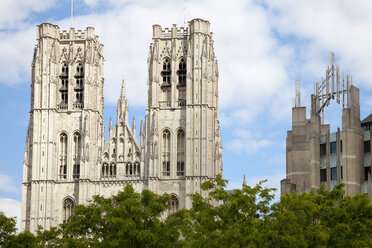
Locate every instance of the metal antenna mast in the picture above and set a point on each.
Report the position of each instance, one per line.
(72, 13)
(184, 13)
(330, 88)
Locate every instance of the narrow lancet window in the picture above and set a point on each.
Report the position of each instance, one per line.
(68, 209)
(182, 72)
(64, 87)
(63, 156)
(173, 204)
(76, 156)
(166, 73)
(79, 87)
(181, 152)
(166, 153)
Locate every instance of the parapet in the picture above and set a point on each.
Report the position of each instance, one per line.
(173, 32)
(52, 31)
(194, 26)
(199, 26)
(47, 30)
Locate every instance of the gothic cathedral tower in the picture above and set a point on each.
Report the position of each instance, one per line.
(67, 160)
(66, 132)
(182, 133)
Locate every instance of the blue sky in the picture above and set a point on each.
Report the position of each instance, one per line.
(262, 47)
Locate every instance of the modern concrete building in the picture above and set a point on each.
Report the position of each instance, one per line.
(315, 155)
(67, 158)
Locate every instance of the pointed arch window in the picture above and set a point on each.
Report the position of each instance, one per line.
(108, 170)
(181, 152)
(64, 86)
(63, 156)
(173, 204)
(79, 87)
(182, 72)
(166, 72)
(76, 156)
(166, 153)
(68, 208)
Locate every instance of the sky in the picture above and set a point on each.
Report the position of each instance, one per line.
(262, 47)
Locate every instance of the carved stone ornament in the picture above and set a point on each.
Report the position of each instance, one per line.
(64, 55)
(166, 51)
(79, 56)
(155, 50)
(174, 51)
(53, 55)
(71, 53)
(204, 49)
(37, 80)
(53, 80)
(88, 53)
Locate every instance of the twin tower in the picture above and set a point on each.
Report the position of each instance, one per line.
(67, 157)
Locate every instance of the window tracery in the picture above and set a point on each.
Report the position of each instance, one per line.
(63, 156)
(76, 156)
(166, 73)
(181, 152)
(68, 208)
(166, 152)
(173, 204)
(64, 86)
(79, 88)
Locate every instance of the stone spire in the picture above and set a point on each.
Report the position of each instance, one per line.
(142, 133)
(122, 106)
(110, 125)
(244, 181)
(134, 126)
(122, 93)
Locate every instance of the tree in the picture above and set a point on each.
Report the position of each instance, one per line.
(321, 218)
(227, 218)
(127, 219)
(7, 228)
(9, 238)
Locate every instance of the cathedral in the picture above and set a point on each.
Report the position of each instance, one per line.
(68, 159)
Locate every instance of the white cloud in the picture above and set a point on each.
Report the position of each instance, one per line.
(11, 208)
(7, 184)
(244, 140)
(339, 26)
(14, 12)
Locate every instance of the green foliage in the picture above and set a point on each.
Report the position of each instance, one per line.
(228, 218)
(127, 219)
(7, 228)
(321, 218)
(218, 218)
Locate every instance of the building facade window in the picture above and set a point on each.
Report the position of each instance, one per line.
(76, 156)
(79, 87)
(367, 146)
(181, 152)
(64, 86)
(132, 169)
(323, 175)
(166, 153)
(108, 170)
(334, 173)
(68, 208)
(323, 150)
(367, 171)
(173, 204)
(166, 73)
(182, 72)
(333, 147)
(63, 156)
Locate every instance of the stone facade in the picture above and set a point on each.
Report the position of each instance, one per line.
(315, 155)
(67, 159)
